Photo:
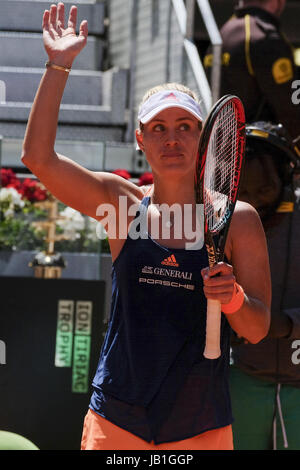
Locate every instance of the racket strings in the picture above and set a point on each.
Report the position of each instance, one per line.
(220, 168)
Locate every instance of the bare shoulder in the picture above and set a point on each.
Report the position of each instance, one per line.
(244, 208)
(117, 186)
(245, 217)
(246, 231)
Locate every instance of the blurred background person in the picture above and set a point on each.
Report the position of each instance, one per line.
(258, 63)
(265, 378)
(258, 66)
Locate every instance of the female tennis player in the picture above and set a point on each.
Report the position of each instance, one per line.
(153, 388)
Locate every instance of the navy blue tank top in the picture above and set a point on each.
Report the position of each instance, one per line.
(152, 378)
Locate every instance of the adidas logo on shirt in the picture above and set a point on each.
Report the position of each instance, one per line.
(170, 261)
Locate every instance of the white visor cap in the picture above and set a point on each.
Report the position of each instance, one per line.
(168, 99)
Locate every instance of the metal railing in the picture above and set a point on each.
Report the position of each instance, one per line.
(216, 42)
(185, 16)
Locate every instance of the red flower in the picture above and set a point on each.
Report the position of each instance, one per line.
(29, 189)
(9, 178)
(33, 191)
(15, 184)
(122, 173)
(145, 179)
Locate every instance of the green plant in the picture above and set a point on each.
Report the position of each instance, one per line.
(19, 212)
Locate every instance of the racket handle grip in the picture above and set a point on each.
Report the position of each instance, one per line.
(213, 329)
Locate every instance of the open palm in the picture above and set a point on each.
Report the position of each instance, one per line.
(61, 43)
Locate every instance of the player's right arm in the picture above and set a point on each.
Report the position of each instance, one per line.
(69, 182)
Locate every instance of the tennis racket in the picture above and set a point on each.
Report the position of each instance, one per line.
(217, 177)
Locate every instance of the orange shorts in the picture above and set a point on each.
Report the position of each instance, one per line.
(101, 434)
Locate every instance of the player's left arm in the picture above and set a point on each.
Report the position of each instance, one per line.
(248, 265)
(248, 254)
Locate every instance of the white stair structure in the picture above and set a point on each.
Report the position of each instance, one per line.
(93, 116)
(132, 45)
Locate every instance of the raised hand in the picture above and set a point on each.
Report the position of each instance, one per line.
(61, 43)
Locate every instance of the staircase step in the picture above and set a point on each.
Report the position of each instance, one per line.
(83, 87)
(69, 114)
(27, 50)
(25, 15)
(96, 156)
(90, 98)
(103, 133)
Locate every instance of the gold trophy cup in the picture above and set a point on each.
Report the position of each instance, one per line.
(48, 264)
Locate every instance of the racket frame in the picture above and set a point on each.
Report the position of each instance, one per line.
(215, 249)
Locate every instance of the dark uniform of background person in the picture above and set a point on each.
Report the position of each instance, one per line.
(257, 66)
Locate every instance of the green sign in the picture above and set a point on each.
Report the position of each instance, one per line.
(64, 333)
(83, 324)
(82, 347)
(74, 335)
(81, 363)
